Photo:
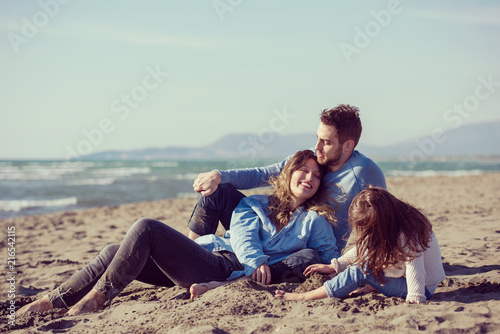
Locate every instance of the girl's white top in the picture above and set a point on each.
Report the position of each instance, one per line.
(424, 270)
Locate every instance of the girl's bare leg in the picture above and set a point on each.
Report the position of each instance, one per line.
(318, 293)
(39, 305)
(92, 302)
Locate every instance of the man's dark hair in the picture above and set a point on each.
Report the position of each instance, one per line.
(345, 119)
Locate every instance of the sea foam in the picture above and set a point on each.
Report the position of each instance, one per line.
(18, 205)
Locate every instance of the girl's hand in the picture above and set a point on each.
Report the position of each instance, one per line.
(415, 302)
(320, 268)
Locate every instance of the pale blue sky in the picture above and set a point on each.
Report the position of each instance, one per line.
(68, 66)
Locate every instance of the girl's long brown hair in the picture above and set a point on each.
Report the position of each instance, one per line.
(279, 200)
(387, 230)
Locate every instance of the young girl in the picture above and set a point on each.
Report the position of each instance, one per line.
(396, 253)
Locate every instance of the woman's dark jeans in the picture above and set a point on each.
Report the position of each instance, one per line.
(151, 252)
(215, 208)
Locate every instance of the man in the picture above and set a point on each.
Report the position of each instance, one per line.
(349, 172)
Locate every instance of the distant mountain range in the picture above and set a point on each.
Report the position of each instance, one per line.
(478, 139)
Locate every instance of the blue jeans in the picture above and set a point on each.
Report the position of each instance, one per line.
(151, 252)
(353, 278)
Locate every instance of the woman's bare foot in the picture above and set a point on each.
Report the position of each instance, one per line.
(198, 289)
(92, 302)
(39, 305)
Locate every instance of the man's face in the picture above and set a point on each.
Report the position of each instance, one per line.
(328, 149)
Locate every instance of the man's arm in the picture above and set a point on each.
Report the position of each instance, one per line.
(368, 173)
(246, 178)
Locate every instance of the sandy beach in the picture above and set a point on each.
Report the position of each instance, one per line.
(465, 213)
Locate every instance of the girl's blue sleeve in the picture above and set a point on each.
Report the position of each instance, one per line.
(322, 239)
(244, 236)
(249, 178)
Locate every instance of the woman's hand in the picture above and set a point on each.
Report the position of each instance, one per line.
(320, 268)
(262, 274)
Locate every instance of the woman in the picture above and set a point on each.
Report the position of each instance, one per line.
(266, 231)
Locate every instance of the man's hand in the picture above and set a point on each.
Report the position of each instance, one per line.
(262, 274)
(207, 183)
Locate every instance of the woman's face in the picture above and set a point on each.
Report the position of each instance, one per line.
(305, 182)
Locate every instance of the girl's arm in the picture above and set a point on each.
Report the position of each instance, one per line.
(319, 293)
(326, 269)
(415, 280)
(340, 264)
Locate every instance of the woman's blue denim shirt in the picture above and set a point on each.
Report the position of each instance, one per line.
(343, 185)
(255, 240)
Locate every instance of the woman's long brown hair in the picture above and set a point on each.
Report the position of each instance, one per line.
(281, 194)
(387, 230)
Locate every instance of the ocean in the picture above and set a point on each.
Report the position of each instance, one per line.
(34, 187)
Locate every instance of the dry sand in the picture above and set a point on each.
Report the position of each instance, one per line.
(465, 212)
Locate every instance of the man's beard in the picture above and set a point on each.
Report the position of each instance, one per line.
(331, 161)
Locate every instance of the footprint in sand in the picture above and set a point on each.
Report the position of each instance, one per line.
(59, 324)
